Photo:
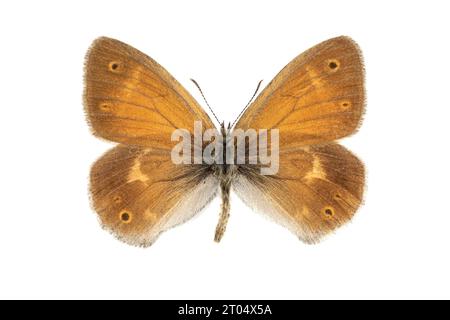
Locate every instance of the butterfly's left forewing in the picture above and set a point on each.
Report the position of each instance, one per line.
(129, 98)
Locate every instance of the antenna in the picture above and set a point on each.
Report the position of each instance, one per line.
(201, 92)
(250, 101)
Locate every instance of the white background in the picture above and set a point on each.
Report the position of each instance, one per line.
(51, 245)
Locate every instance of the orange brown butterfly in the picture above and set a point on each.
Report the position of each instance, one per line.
(138, 191)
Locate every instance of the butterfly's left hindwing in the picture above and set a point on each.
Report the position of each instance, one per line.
(138, 193)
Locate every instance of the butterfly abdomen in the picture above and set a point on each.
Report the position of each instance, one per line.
(225, 178)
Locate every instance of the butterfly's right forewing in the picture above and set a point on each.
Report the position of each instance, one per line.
(317, 98)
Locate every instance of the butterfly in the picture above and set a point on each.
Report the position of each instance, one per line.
(138, 191)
